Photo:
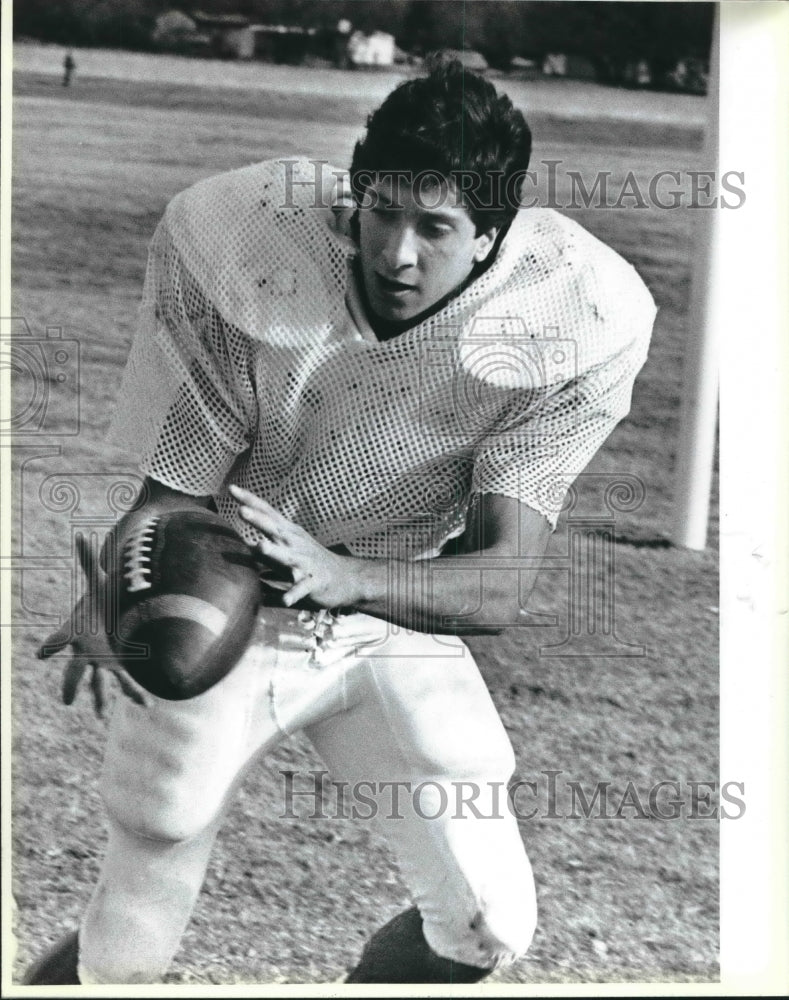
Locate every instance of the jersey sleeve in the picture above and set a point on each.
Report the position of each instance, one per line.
(538, 449)
(187, 402)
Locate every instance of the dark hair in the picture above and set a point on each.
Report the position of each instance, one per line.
(452, 123)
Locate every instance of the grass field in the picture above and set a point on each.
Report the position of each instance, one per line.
(291, 901)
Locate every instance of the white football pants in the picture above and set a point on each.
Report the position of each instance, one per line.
(381, 706)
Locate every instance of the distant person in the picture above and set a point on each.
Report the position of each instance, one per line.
(341, 37)
(68, 68)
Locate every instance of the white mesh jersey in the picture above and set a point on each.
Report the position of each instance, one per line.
(254, 364)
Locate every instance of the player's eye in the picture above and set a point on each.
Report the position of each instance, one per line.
(384, 212)
(436, 230)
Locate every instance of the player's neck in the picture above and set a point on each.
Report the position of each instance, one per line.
(385, 329)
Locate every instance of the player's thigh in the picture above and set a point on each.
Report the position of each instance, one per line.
(419, 707)
(170, 766)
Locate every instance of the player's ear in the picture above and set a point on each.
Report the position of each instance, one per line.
(485, 242)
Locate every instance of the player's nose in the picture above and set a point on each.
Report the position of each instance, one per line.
(401, 249)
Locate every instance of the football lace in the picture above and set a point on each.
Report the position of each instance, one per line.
(137, 556)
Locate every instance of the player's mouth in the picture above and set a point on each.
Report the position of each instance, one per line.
(391, 288)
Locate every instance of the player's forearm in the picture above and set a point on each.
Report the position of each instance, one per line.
(461, 595)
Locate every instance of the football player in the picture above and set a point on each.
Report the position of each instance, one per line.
(385, 381)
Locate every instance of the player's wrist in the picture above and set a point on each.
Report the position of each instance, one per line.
(369, 579)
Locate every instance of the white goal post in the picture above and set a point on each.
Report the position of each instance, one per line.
(699, 414)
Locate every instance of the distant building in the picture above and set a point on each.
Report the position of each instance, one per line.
(642, 73)
(571, 66)
(231, 35)
(282, 43)
(554, 64)
(176, 32)
(376, 49)
(637, 74)
(525, 69)
(690, 75)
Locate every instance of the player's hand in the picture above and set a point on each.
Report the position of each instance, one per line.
(86, 633)
(328, 579)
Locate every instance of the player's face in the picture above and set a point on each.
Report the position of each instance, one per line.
(417, 245)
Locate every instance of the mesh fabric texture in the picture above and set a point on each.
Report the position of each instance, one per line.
(254, 364)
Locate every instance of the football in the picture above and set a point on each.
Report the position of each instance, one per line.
(188, 596)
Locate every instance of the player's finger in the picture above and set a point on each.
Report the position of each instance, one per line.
(299, 592)
(264, 521)
(279, 553)
(54, 642)
(130, 687)
(72, 675)
(257, 505)
(86, 553)
(250, 498)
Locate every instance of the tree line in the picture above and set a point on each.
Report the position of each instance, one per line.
(610, 35)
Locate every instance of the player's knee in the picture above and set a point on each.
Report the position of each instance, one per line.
(162, 811)
(157, 806)
(153, 782)
(165, 825)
